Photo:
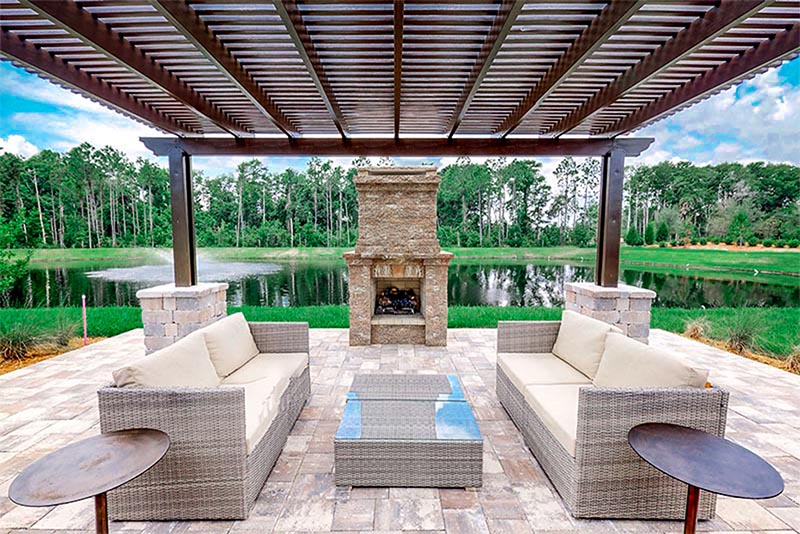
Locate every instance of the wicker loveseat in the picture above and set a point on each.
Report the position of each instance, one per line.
(227, 415)
(576, 427)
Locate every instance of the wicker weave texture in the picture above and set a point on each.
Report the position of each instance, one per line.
(527, 336)
(206, 474)
(606, 479)
(280, 337)
(409, 463)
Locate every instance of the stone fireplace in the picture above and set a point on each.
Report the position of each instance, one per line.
(397, 257)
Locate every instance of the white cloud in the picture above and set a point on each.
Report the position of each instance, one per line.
(17, 144)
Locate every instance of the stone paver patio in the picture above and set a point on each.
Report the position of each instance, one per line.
(53, 403)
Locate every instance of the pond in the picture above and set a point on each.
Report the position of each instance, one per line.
(471, 283)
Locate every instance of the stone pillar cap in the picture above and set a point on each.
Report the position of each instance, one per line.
(170, 290)
(622, 290)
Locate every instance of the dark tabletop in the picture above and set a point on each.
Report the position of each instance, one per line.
(708, 462)
(88, 467)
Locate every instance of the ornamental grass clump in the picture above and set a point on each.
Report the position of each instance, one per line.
(17, 340)
(63, 330)
(742, 333)
(793, 361)
(698, 328)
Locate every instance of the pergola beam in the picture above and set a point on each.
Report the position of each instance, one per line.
(399, 9)
(34, 58)
(598, 32)
(416, 147)
(503, 22)
(782, 46)
(70, 16)
(714, 23)
(192, 27)
(293, 20)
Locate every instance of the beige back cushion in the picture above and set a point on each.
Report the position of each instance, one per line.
(230, 343)
(581, 341)
(629, 363)
(185, 363)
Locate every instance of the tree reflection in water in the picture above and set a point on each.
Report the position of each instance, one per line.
(471, 283)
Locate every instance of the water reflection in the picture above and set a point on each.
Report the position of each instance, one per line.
(469, 283)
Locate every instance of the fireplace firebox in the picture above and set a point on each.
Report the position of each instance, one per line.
(398, 273)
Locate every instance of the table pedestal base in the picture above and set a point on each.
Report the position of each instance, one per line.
(101, 514)
(692, 502)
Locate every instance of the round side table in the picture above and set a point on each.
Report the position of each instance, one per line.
(89, 468)
(704, 462)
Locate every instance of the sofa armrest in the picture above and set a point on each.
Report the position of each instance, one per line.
(280, 337)
(527, 336)
(606, 415)
(206, 426)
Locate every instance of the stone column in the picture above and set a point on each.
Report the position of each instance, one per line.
(170, 313)
(362, 299)
(434, 303)
(626, 307)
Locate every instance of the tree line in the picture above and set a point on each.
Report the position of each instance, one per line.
(89, 197)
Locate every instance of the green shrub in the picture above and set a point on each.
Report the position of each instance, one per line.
(662, 232)
(742, 332)
(698, 328)
(674, 243)
(780, 243)
(662, 244)
(703, 241)
(62, 330)
(693, 241)
(793, 243)
(768, 243)
(17, 340)
(752, 241)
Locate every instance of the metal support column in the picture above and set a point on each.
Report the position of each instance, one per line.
(184, 249)
(609, 219)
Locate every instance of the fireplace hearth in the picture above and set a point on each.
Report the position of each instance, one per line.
(398, 273)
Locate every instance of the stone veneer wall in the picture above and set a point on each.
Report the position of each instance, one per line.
(170, 313)
(626, 307)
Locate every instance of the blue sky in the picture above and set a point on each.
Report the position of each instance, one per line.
(757, 120)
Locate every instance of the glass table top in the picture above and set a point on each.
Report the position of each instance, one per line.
(407, 407)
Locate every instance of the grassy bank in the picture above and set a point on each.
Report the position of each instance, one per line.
(785, 261)
(777, 327)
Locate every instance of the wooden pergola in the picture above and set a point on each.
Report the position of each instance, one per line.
(401, 78)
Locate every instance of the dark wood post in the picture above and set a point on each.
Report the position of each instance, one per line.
(609, 219)
(183, 244)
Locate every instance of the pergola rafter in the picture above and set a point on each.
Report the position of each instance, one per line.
(70, 16)
(186, 21)
(296, 27)
(610, 19)
(782, 46)
(399, 12)
(33, 58)
(714, 23)
(503, 22)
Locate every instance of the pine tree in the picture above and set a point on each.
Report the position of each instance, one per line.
(632, 237)
(649, 234)
(662, 233)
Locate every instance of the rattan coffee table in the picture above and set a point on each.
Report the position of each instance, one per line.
(408, 431)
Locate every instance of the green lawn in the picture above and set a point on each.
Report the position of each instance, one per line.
(785, 261)
(778, 326)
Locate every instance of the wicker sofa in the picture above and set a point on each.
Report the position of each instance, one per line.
(576, 425)
(226, 426)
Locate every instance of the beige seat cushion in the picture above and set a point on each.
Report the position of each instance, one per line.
(581, 341)
(284, 365)
(262, 396)
(185, 363)
(557, 407)
(538, 368)
(230, 343)
(629, 363)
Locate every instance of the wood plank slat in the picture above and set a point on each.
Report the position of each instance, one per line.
(596, 34)
(69, 15)
(399, 12)
(53, 68)
(714, 23)
(298, 32)
(192, 27)
(783, 46)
